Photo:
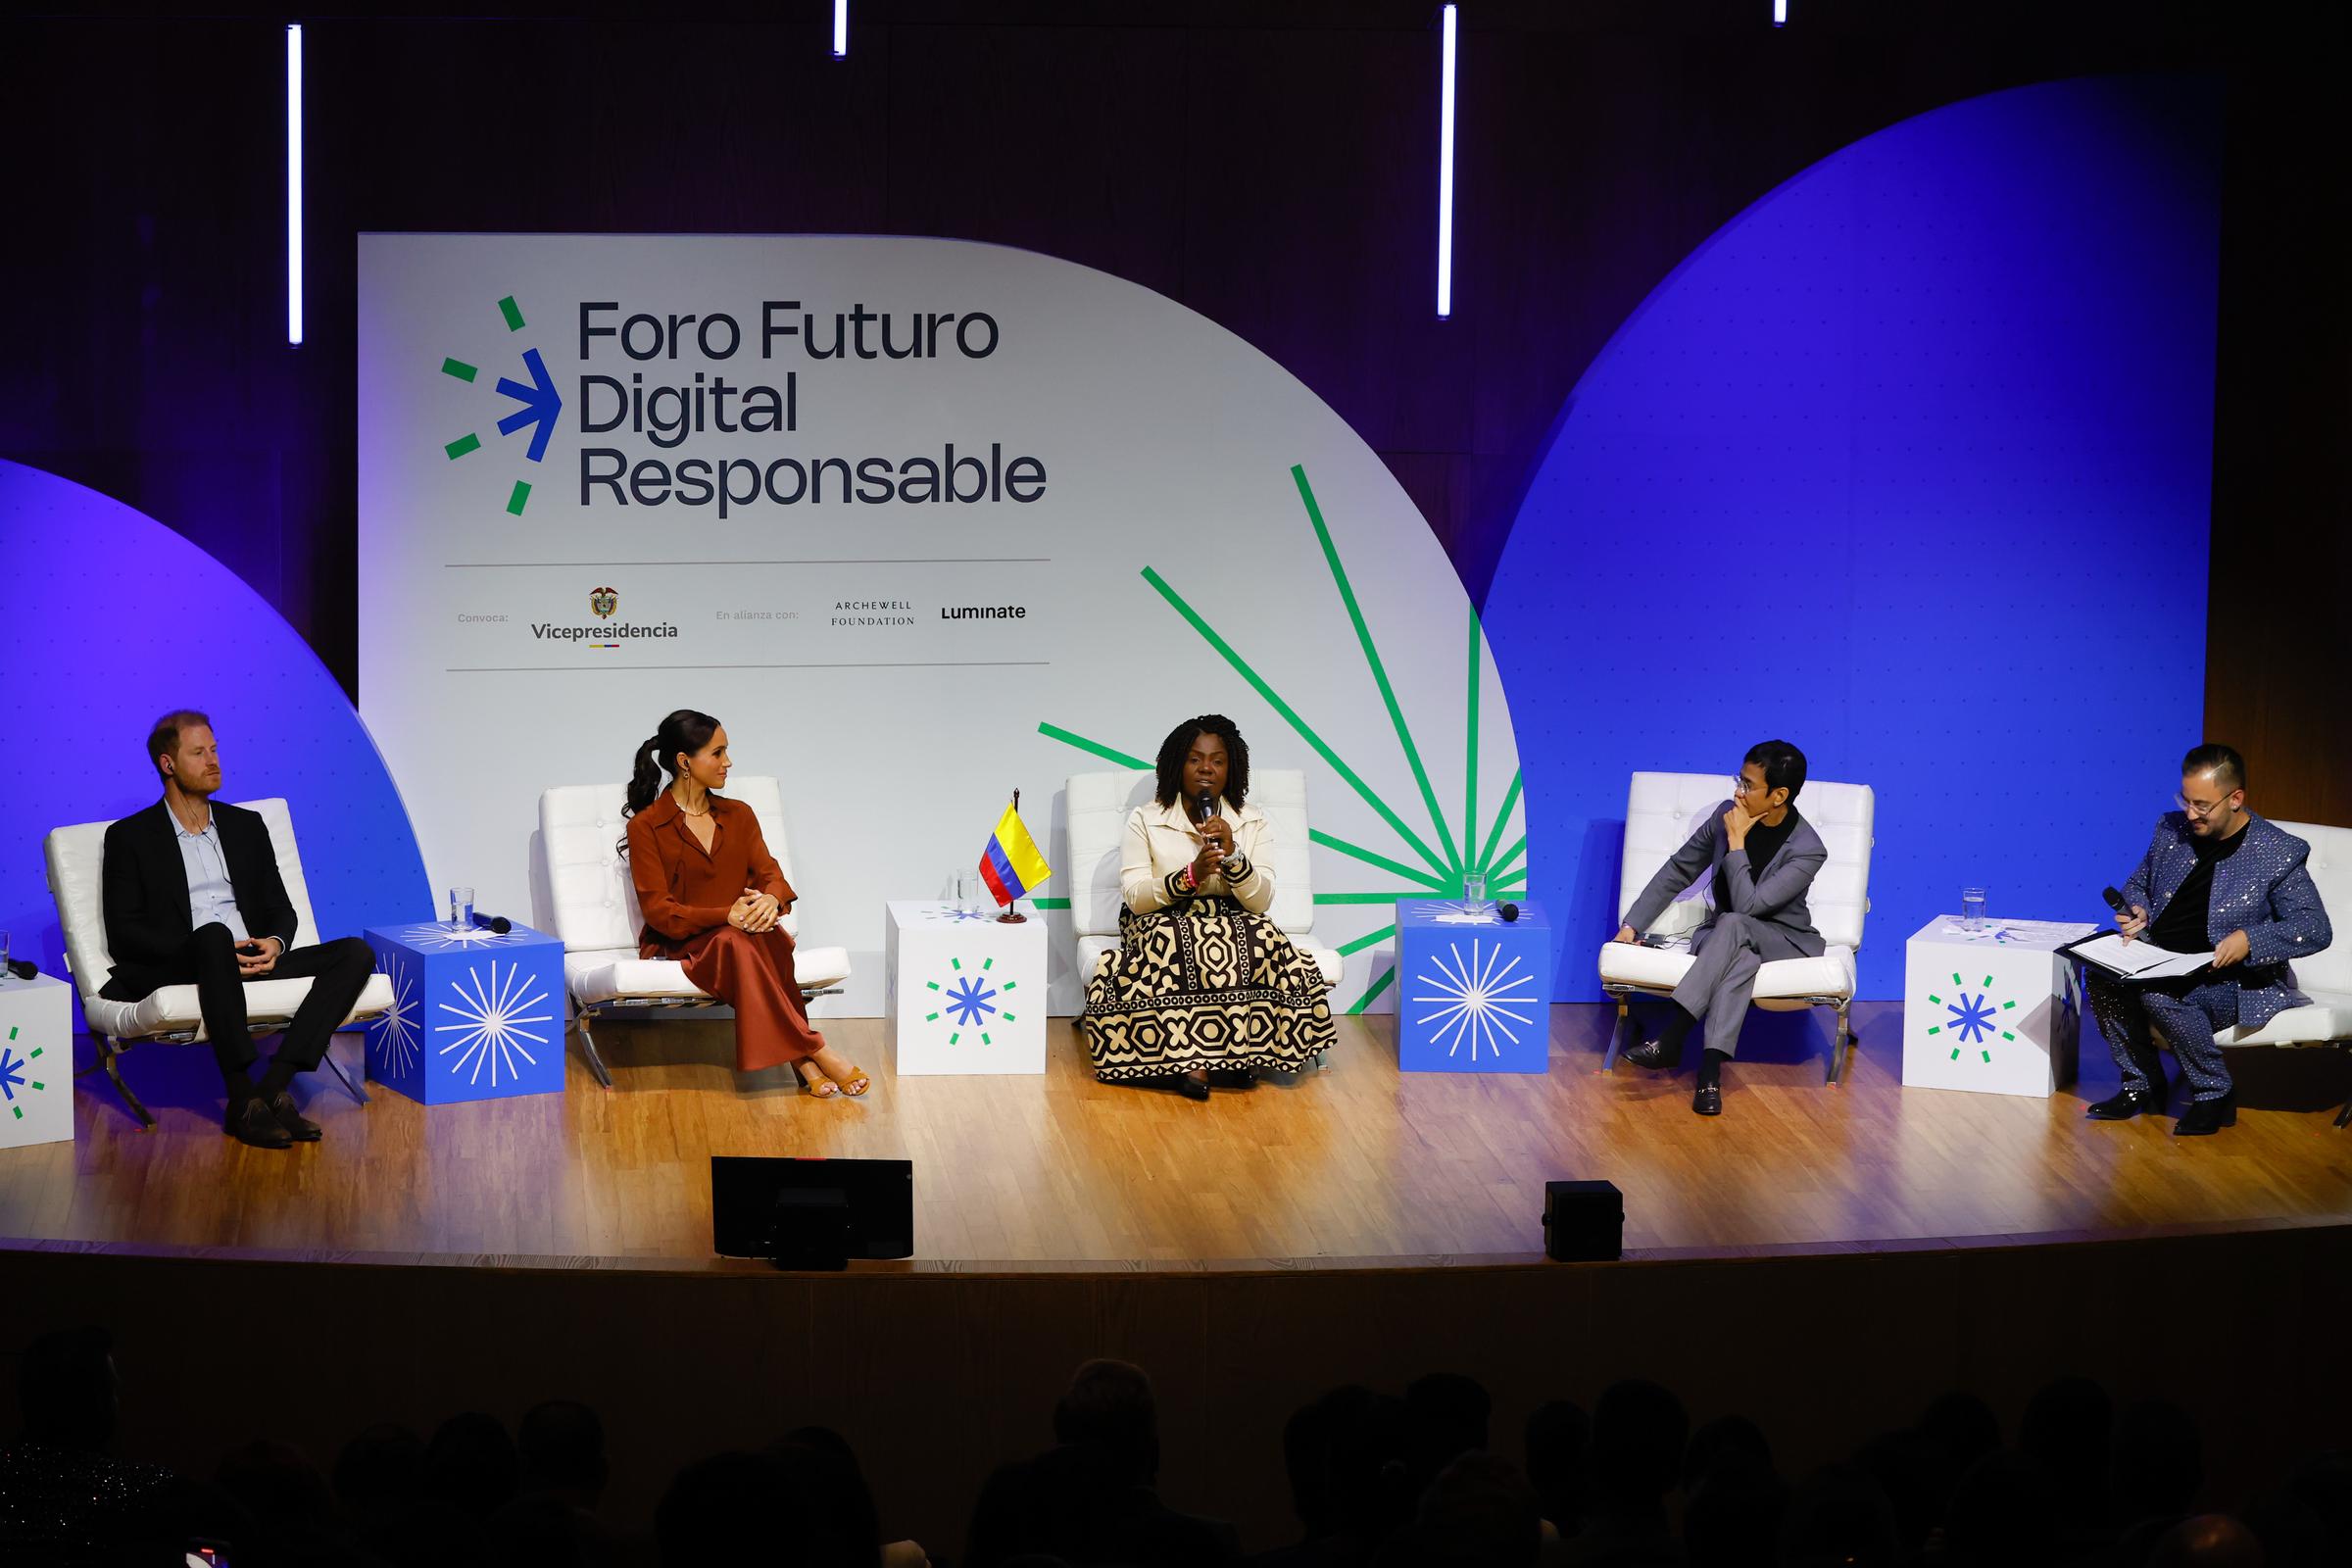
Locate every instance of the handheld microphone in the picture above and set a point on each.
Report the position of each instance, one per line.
(1509, 913)
(1209, 805)
(2115, 901)
(498, 923)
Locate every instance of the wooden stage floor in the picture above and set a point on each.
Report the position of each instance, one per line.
(1356, 1165)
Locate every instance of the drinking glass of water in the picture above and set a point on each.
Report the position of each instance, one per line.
(1972, 908)
(967, 891)
(1474, 889)
(460, 907)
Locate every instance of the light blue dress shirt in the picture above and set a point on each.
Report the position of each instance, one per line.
(210, 895)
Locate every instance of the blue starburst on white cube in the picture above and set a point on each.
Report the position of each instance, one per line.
(491, 1017)
(1475, 997)
(961, 915)
(438, 936)
(971, 1000)
(396, 1036)
(1972, 1018)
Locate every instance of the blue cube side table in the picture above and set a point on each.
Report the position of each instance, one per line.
(1473, 993)
(477, 1014)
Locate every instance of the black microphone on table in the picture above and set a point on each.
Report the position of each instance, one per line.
(24, 968)
(493, 923)
(1509, 913)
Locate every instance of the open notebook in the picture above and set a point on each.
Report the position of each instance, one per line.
(2137, 960)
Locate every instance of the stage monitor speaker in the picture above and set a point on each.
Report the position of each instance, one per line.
(1584, 1222)
(811, 1213)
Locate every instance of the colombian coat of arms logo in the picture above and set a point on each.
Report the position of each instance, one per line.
(604, 601)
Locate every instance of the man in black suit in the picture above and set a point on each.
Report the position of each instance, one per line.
(192, 896)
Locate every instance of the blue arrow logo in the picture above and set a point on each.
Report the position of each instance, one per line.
(540, 405)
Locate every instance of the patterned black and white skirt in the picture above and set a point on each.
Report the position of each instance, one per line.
(1203, 984)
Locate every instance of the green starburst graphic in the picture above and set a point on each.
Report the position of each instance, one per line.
(1973, 1020)
(971, 1000)
(15, 1072)
(1443, 867)
(471, 441)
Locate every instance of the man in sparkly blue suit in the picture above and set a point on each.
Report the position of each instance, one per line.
(2216, 879)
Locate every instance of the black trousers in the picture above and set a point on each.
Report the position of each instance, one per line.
(209, 961)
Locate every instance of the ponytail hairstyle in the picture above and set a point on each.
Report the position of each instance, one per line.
(682, 731)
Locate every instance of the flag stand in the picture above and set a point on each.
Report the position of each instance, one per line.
(1011, 916)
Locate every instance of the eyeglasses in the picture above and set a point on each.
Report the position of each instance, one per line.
(1741, 787)
(2200, 812)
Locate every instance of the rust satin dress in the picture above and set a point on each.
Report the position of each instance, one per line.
(685, 892)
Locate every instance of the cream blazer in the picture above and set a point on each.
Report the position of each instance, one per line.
(1161, 842)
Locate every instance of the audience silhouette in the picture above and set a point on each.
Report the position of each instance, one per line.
(1376, 1479)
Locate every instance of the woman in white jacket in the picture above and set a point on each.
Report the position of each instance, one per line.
(1202, 981)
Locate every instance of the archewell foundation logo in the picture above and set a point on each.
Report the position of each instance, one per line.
(541, 406)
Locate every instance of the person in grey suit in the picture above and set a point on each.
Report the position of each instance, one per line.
(1764, 858)
(2216, 877)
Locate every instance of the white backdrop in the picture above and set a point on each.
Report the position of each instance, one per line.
(814, 629)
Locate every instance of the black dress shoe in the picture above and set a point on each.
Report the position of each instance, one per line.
(299, 1127)
(2126, 1104)
(1708, 1100)
(250, 1121)
(2205, 1118)
(1191, 1088)
(1650, 1054)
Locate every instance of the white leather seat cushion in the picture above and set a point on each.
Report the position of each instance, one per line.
(2329, 1016)
(604, 976)
(175, 1008)
(1832, 974)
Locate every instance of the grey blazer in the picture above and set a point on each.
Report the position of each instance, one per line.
(1779, 898)
(2263, 890)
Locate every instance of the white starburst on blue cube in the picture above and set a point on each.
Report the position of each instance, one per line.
(435, 936)
(1459, 911)
(1475, 997)
(397, 1031)
(491, 1022)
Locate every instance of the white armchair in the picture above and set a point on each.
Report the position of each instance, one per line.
(1094, 811)
(1661, 811)
(595, 903)
(2325, 977)
(77, 860)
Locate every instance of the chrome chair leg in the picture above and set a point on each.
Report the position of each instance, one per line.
(596, 1062)
(1618, 1035)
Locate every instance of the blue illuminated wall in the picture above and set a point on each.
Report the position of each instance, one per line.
(111, 618)
(1909, 463)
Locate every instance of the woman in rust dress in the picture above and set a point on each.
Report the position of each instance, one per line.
(712, 897)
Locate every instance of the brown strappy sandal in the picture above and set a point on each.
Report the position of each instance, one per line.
(814, 1084)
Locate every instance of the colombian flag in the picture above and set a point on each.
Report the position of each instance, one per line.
(1010, 864)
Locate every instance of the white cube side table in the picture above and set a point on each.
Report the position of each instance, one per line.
(962, 994)
(36, 1060)
(1994, 1012)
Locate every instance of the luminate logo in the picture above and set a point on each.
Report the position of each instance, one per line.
(541, 406)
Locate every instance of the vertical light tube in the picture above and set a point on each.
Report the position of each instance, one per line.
(1780, 12)
(294, 183)
(841, 29)
(1445, 171)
